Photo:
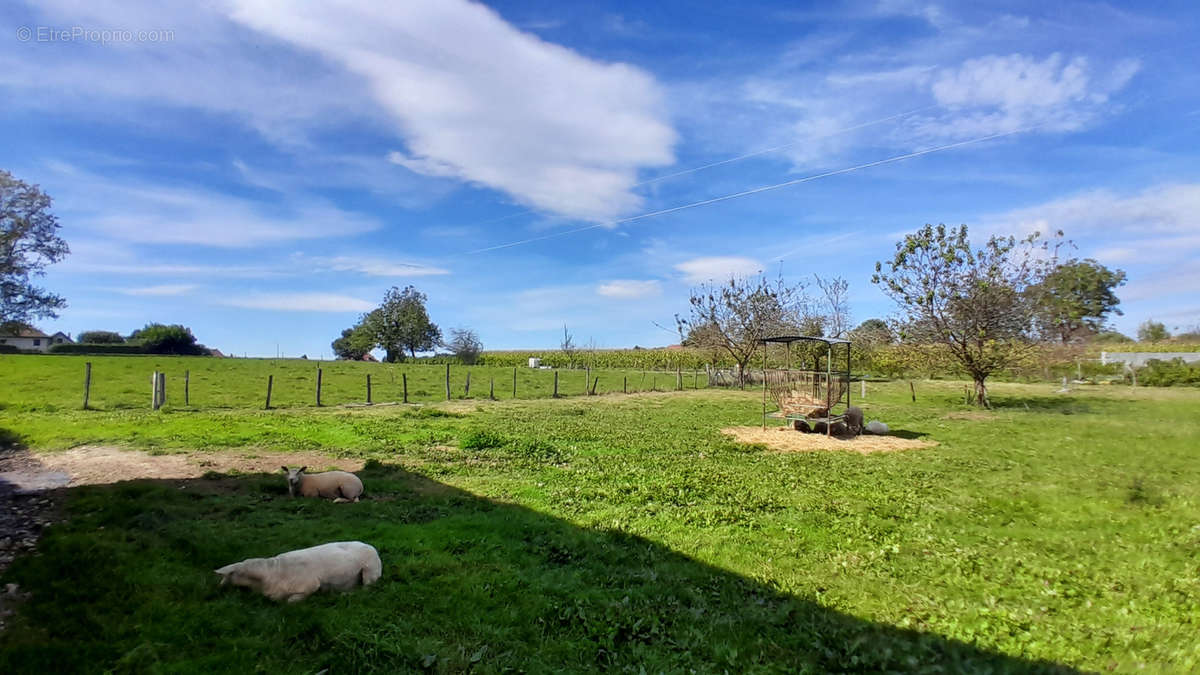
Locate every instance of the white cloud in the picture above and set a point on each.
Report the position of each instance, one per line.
(490, 105)
(301, 302)
(376, 267)
(629, 289)
(1172, 209)
(997, 94)
(1153, 234)
(160, 290)
(717, 268)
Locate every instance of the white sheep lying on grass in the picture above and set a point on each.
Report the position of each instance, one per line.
(340, 486)
(295, 575)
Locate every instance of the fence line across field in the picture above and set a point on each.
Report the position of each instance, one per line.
(544, 386)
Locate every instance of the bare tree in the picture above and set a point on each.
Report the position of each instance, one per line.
(735, 315)
(835, 305)
(568, 346)
(465, 344)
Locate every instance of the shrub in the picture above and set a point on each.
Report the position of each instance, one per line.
(100, 337)
(96, 349)
(157, 338)
(1159, 373)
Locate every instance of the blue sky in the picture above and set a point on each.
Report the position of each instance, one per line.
(263, 171)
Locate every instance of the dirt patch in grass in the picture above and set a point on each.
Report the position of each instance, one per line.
(783, 439)
(95, 465)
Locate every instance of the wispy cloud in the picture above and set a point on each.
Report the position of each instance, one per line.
(996, 94)
(158, 213)
(374, 266)
(629, 289)
(717, 268)
(300, 302)
(160, 290)
(494, 106)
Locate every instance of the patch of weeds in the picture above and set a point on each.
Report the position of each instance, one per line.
(426, 412)
(1142, 494)
(482, 439)
(536, 449)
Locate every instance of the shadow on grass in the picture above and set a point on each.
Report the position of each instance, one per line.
(10, 440)
(905, 433)
(468, 584)
(1063, 403)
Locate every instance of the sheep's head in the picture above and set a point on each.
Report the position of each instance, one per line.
(293, 478)
(246, 573)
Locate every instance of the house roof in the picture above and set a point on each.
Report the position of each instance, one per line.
(24, 332)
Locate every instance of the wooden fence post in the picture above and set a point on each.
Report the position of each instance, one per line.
(270, 381)
(154, 390)
(864, 389)
(318, 386)
(87, 383)
(162, 389)
(447, 381)
(625, 385)
(492, 389)
(654, 382)
(514, 381)
(678, 378)
(587, 379)
(555, 384)
(595, 383)
(913, 390)
(187, 387)
(467, 390)
(404, 381)
(368, 387)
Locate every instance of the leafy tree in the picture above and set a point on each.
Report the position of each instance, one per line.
(735, 315)
(1110, 337)
(29, 242)
(402, 324)
(100, 337)
(465, 344)
(1076, 298)
(157, 338)
(872, 333)
(355, 342)
(1152, 331)
(980, 302)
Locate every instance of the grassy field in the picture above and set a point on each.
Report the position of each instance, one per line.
(626, 533)
(50, 383)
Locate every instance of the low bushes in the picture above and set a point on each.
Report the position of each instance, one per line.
(1158, 373)
(97, 349)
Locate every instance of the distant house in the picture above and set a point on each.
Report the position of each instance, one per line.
(34, 340)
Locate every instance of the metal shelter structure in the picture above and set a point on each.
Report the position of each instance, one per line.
(808, 395)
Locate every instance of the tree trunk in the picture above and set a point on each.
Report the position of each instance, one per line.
(981, 395)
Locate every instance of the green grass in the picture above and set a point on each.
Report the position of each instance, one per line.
(52, 383)
(626, 533)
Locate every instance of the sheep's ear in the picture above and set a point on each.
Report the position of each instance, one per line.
(303, 469)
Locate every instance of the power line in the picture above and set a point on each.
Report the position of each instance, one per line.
(738, 158)
(757, 190)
